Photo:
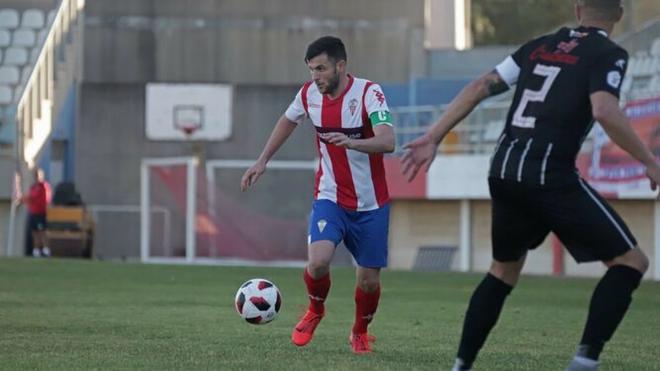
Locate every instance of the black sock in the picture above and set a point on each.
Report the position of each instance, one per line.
(482, 314)
(609, 304)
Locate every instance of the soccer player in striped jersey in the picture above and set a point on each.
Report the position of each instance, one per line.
(564, 81)
(351, 201)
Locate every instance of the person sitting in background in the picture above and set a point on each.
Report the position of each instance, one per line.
(37, 201)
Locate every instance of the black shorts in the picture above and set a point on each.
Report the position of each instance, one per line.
(523, 215)
(37, 222)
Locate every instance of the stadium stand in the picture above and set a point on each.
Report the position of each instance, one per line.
(36, 69)
(643, 77)
(21, 37)
(483, 128)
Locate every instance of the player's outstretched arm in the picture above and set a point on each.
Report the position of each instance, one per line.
(421, 152)
(605, 109)
(281, 132)
(382, 141)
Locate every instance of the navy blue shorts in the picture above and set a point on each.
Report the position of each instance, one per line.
(37, 222)
(364, 232)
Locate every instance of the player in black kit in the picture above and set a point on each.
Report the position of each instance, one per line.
(565, 81)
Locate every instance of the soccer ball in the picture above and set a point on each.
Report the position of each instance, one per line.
(258, 301)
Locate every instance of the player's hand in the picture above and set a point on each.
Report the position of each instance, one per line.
(420, 153)
(653, 172)
(252, 174)
(338, 139)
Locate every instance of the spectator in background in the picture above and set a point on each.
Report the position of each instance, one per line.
(37, 201)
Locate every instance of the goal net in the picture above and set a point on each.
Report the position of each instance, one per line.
(211, 221)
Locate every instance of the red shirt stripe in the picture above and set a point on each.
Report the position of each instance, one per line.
(303, 96)
(331, 117)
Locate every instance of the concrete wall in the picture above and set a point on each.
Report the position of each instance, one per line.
(246, 42)
(419, 223)
(114, 113)
(7, 169)
(111, 144)
(4, 226)
(466, 63)
(642, 39)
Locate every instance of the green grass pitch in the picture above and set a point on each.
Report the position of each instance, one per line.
(68, 314)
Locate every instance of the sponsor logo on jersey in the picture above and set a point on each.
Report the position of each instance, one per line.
(352, 106)
(542, 53)
(620, 63)
(353, 133)
(614, 79)
(314, 105)
(380, 96)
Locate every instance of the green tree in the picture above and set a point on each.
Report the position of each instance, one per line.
(515, 21)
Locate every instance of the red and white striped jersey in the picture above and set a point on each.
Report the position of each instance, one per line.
(353, 179)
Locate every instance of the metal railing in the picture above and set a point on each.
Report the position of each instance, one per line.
(477, 134)
(34, 107)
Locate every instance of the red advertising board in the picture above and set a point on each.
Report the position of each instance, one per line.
(608, 168)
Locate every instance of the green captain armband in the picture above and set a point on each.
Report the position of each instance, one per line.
(381, 118)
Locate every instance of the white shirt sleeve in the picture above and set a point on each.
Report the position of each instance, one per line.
(296, 111)
(508, 71)
(374, 101)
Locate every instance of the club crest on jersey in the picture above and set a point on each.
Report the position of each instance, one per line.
(614, 79)
(352, 106)
(321, 224)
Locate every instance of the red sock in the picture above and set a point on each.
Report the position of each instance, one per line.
(366, 304)
(317, 291)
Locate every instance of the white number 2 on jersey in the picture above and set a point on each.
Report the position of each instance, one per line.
(550, 73)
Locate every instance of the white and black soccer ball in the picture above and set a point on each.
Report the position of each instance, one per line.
(258, 301)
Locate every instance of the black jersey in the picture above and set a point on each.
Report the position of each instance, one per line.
(551, 110)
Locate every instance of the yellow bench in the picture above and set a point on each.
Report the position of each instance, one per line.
(70, 231)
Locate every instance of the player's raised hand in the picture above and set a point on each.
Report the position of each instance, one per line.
(252, 174)
(653, 172)
(419, 153)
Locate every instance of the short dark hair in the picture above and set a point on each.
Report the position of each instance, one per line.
(332, 46)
